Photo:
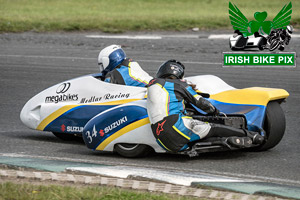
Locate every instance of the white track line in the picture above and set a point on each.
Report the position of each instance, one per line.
(159, 37)
(220, 36)
(133, 37)
(145, 37)
(227, 36)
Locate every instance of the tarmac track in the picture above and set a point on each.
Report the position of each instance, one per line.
(31, 62)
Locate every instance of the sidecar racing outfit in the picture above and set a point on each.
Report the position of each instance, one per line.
(166, 110)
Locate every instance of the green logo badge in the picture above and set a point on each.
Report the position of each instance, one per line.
(260, 25)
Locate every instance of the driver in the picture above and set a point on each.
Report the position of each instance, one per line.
(118, 69)
(173, 129)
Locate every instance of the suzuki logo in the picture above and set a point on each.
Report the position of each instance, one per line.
(63, 128)
(63, 88)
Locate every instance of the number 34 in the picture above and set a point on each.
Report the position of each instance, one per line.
(89, 136)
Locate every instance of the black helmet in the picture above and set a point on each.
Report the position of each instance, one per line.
(171, 68)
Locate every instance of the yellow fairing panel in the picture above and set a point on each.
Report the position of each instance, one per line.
(253, 95)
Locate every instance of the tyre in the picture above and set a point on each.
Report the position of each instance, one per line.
(67, 137)
(260, 47)
(132, 150)
(281, 48)
(262, 43)
(274, 45)
(274, 126)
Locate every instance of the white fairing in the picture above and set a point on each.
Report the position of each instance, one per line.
(233, 39)
(251, 42)
(79, 91)
(254, 41)
(89, 90)
(209, 84)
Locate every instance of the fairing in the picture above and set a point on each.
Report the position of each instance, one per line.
(88, 105)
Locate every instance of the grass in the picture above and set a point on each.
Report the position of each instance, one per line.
(129, 15)
(13, 191)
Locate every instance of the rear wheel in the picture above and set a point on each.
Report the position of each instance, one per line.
(274, 125)
(132, 150)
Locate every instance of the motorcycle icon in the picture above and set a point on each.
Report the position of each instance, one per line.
(277, 39)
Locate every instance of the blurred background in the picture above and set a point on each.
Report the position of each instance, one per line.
(117, 16)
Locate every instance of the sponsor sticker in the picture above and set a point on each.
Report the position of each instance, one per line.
(90, 135)
(71, 129)
(61, 96)
(108, 96)
(115, 124)
(74, 129)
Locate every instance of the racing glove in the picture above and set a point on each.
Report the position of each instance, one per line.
(207, 107)
(216, 112)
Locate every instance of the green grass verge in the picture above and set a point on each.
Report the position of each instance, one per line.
(129, 15)
(12, 191)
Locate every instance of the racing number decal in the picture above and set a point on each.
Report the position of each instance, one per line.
(89, 136)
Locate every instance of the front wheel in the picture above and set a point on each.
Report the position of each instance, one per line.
(132, 150)
(274, 125)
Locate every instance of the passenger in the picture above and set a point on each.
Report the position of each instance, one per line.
(121, 70)
(173, 129)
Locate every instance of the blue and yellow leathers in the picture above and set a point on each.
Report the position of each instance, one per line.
(166, 110)
(128, 73)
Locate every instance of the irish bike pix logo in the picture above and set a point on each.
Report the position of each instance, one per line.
(265, 39)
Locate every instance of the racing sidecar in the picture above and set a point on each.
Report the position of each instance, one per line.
(114, 117)
(239, 42)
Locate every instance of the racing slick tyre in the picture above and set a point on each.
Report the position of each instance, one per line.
(262, 43)
(67, 137)
(132, 150)
(274, 45)
(274, 126)
(281, 48)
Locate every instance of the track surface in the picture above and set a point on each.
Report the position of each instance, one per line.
(31, 62)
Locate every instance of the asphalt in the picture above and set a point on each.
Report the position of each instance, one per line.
(31, 62)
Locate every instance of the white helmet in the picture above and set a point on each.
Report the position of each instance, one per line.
(110, 57)
(289, 29)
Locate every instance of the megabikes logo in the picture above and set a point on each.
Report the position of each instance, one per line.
(61, 97)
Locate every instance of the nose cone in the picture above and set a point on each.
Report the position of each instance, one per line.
(30, 115)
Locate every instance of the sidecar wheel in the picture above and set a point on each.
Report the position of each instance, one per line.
(274, 125)
(132, 150)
